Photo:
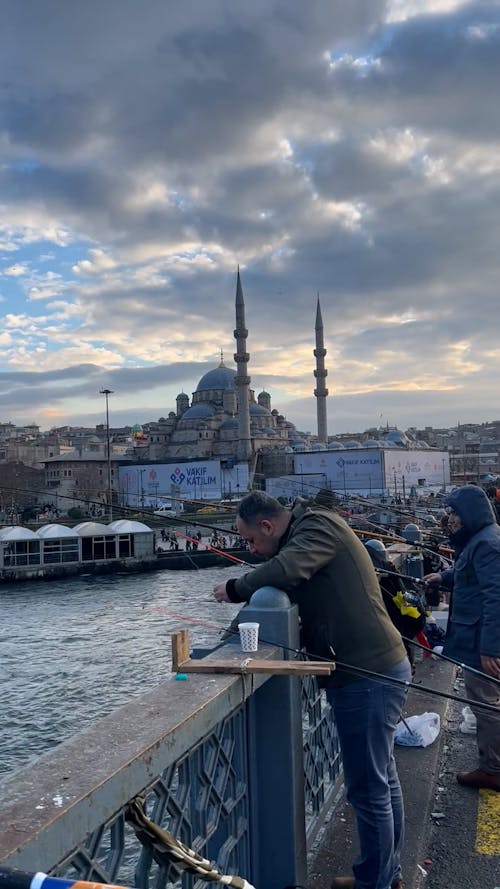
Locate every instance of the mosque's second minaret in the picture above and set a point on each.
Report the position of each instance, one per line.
(242, 380)
(320, 373)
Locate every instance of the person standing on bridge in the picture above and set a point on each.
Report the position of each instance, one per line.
(473, 632)
(315, 557)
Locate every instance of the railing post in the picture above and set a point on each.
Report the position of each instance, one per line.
(276, 759)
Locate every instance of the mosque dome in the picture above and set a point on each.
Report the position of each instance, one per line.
(352, 444)
(399, 438)
(219, 378)
(258, 410)
(199, 411)
(371, 443)
(335, 446)
(232, 423)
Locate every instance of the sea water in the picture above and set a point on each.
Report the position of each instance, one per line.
(71, 651)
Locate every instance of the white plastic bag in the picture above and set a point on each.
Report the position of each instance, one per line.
(418, 731)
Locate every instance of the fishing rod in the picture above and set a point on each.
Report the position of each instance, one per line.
(350, 668)
(142, 510)
(451, 660)
(221, 552)
(156, 521)
(381, 677)
(398, 509)
(383, 534)
(213, 549)
(380, 571)
(417, 580)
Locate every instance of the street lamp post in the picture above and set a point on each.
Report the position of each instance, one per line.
(107, 393)
(142, 471)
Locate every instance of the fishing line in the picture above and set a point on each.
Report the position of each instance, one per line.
(213, 549)
(157, 521)
(348, 668)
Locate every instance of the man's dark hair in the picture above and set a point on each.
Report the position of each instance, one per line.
(258, 505)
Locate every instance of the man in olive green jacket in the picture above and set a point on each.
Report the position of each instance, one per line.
(315, 557)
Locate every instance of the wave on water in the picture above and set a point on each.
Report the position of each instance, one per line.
(74, 650)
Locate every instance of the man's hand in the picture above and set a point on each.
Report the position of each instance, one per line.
(220, 593)
(491, 666)
(433, 578)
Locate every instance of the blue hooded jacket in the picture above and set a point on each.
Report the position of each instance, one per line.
(474, 620)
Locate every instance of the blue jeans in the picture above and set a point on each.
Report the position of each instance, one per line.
(366, 712)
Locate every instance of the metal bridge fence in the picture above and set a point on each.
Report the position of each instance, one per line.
(241, 768)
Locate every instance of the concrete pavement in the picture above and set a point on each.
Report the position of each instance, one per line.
(441, 848)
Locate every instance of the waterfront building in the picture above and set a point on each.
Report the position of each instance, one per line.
(80, 479)
(55, 550)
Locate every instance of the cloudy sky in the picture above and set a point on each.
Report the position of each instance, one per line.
(343, 147)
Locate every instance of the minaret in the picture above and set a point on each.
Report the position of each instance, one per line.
(242, 380)
(320, 373)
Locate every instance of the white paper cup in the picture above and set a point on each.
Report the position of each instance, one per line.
(249, 636)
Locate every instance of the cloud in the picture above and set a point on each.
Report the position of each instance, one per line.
(349, 149)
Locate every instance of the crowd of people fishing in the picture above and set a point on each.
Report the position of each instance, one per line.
(357, 610)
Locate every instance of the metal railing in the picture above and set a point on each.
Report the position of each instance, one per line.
(243, 769)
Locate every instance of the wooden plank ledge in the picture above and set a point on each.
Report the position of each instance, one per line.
(182, 663)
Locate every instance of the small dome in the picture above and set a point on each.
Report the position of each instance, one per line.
(199, 411)
(92, 529)
(335, 446)
(258, 410)
(219, 378)
(52, 530)
(371, 443)
(398, 437)
(16, 532)
(128, 526)
(352, 444)
(232, 423)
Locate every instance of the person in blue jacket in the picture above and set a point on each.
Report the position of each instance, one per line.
(473, 632)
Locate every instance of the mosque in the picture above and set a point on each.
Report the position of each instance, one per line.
(225, 420)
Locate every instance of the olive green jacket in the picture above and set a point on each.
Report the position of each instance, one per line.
(326, 570)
